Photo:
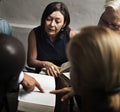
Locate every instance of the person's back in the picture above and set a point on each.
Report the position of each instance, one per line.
(12, 59)
(94, 54)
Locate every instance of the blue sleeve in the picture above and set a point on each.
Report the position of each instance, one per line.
(5, 27)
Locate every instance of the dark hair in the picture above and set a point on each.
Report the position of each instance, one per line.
(12, 58)
(56, 6)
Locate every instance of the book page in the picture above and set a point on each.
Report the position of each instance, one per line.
(36, 98)
(67, 74)
(65, 67)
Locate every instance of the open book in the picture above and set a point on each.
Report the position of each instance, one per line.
(65, 70)
(36, 101)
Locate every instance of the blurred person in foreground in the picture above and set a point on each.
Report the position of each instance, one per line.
(28, 82)
(94, 54)
(12, 60)
(110, 18)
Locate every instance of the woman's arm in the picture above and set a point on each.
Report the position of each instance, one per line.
(32, 51)
(32, 61)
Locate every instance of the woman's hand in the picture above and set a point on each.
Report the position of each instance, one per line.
(52, 69)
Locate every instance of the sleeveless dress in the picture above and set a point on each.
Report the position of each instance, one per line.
(47, 50)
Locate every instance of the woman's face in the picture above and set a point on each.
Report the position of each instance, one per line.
(54, 23)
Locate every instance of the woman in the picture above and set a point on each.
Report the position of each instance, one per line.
(94, 54)
(47, 44)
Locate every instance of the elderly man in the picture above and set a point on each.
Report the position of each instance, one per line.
(111, 16)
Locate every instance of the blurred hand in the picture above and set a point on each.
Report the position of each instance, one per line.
(68, 91)
(29, 83)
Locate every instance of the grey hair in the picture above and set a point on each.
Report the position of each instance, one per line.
(115, 4)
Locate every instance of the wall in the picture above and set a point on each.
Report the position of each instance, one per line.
(23, 15)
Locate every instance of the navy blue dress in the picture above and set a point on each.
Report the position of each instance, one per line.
(47, 50)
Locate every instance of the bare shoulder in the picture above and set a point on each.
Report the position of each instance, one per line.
(72, 33)
(31, 34)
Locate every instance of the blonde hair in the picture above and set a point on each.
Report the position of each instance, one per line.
(94, 54)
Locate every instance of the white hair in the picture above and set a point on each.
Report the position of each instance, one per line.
(115, 4)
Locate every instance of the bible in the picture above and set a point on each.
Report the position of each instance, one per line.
(65, 72)
(36, 101)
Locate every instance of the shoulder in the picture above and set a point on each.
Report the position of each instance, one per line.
(38, 28)
(5, 27)
(72, 33)
(3, 21)
(34, 30)
(31, 35)
(35, 33)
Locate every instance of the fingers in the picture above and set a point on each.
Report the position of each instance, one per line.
(27, 87)
(66, 96)
(30, 89)
(39, 87)
(29, 83)
(58, 91)
(68, 93)
(53, 71)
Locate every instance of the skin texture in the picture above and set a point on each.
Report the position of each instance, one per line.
(53, 24)
(29, 83)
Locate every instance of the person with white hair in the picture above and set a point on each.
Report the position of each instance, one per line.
(110, 18)
(115, 4)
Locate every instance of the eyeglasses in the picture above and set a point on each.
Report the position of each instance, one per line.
(113, 26)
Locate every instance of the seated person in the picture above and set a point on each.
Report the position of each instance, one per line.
(12, 60)
(110, 18)
(47, 45)
(94, 54)
(28, 82)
